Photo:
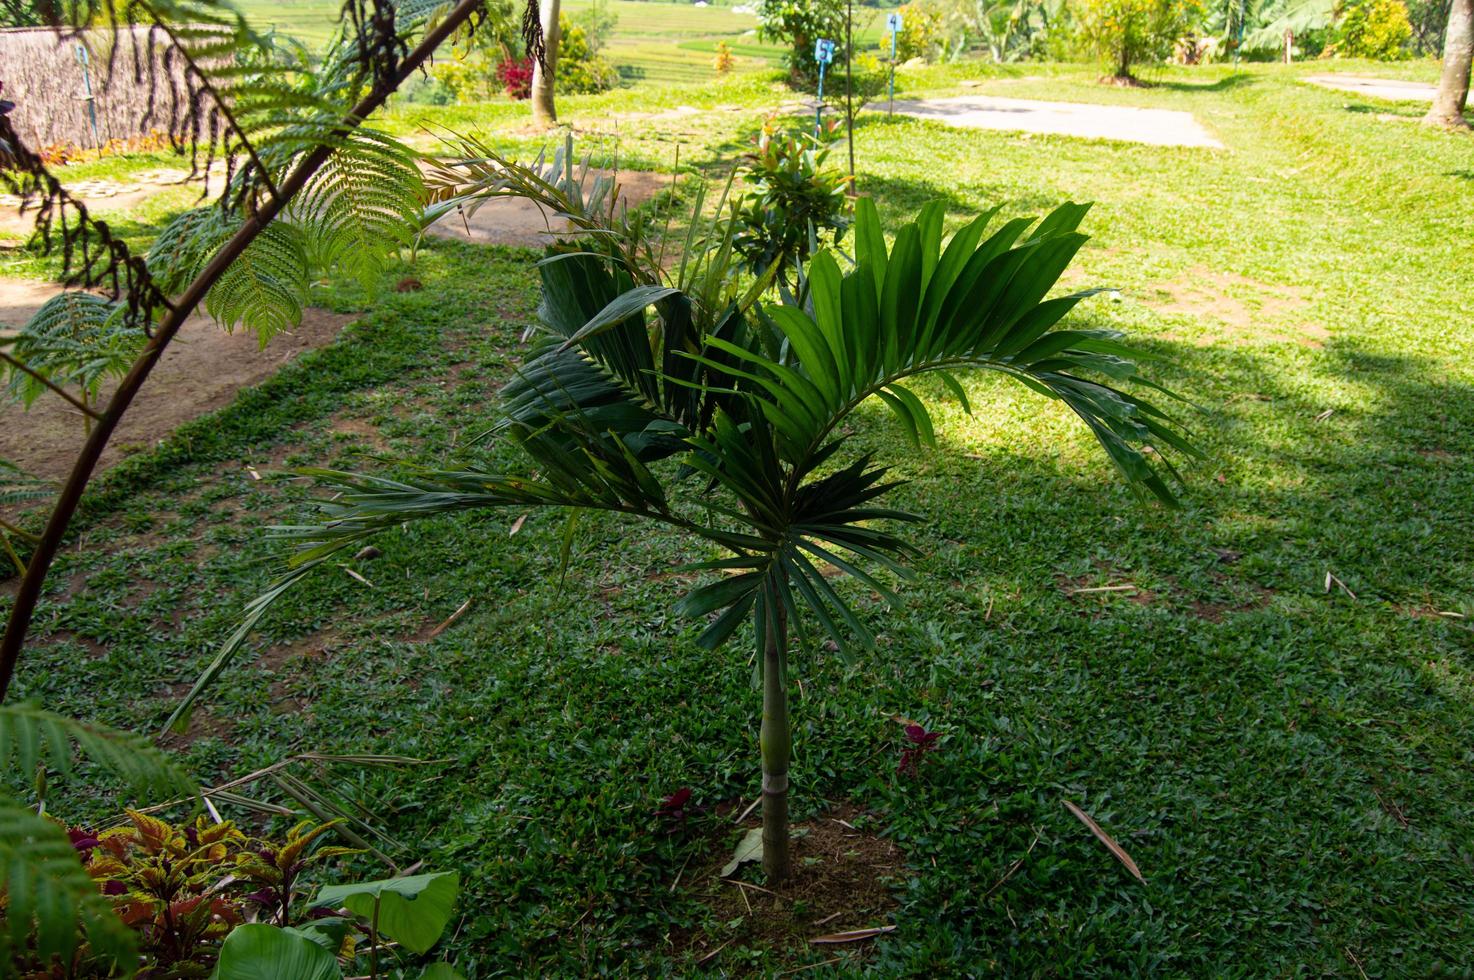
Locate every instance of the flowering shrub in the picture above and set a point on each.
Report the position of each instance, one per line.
(515, 75)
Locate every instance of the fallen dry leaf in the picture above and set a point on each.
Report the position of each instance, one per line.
(1107, 840)
(853, 936)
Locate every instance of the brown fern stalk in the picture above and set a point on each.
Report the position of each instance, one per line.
(85, 466)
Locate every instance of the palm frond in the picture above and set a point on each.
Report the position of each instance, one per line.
(916, 309)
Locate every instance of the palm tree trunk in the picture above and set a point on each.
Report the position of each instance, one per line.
(1458, 54)
(775, 740)
(544, 112)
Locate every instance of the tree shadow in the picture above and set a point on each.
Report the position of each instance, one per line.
(899, 197)
(1225, 84)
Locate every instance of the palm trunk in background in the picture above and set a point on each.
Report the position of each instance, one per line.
(544, 112)
(775, 739)
(1458, 53)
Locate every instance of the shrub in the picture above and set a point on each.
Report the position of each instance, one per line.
(1129, 32)
(923, 31)
(795, 201)
(870, 77)
(1372, 29)
(580, 70)
(799, 23)
(722, 63)
(515, 75)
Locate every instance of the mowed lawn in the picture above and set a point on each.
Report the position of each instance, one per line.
(1267, 696)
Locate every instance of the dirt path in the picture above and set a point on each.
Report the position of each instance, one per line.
(1159, 127)
(199, 373)
(1378, 88)
(515, 221)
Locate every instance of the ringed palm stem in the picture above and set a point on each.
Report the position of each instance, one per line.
(775, 738)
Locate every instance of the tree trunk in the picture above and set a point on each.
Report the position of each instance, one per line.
(1458, 53)
(775, 740)
(544, 112)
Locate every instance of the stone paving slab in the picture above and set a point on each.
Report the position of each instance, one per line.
(1159, 127)
(1378, 88)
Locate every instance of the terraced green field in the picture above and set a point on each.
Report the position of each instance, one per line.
(653, 42)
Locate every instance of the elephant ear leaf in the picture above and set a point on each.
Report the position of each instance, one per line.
(413, 911)
(257, 951)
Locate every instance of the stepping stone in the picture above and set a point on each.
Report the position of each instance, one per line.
(1159, 127)
(1377, 88)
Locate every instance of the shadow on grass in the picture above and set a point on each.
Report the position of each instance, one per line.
(901, 198)
(1225, 84)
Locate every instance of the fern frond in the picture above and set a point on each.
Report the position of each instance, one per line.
(186, 243)
(49, 895)
(266, 288)
(19, 487)
(31, 736)
(362, 204)
(75, 339)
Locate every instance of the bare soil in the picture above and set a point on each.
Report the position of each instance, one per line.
(519, 222)
(843, 880)
(1254, 311)
(199, 373)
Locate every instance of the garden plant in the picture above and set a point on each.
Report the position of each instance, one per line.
(722, 415)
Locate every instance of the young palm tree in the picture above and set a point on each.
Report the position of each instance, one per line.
(721, 416)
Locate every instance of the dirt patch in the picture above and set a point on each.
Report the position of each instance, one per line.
(1256, 311)
(519, 222)
(843, 878)
(202, 371)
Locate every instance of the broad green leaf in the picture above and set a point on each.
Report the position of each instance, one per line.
(257, 951)
(413, 911)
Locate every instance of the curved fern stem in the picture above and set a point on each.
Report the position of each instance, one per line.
(76, 403)
(70, 498)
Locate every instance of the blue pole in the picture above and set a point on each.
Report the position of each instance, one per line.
(892, 109)
(90, 99)
(819, 106)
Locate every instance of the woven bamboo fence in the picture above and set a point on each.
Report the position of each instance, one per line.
(87, 90)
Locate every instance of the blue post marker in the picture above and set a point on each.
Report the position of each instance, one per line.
(893, 24)
(823, 54)
(83, 59)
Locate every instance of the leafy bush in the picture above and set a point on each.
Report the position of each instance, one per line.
(923, 31)
(580, 70)
(1372, 29)
(795, 202)
(869, 76)
(1129, 32)
(723, 61)
(799, 23)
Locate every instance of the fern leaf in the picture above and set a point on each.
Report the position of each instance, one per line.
(266, 287)
(75, 339)
(19, 487)
(30, 736)
(362, 204)
(50, 895)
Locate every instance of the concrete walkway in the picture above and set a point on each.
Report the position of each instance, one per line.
(1378, 88)
(1160, 127)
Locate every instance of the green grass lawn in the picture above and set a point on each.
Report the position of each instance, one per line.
(1289, 764)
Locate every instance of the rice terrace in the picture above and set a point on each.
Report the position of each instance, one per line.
(777, 488)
